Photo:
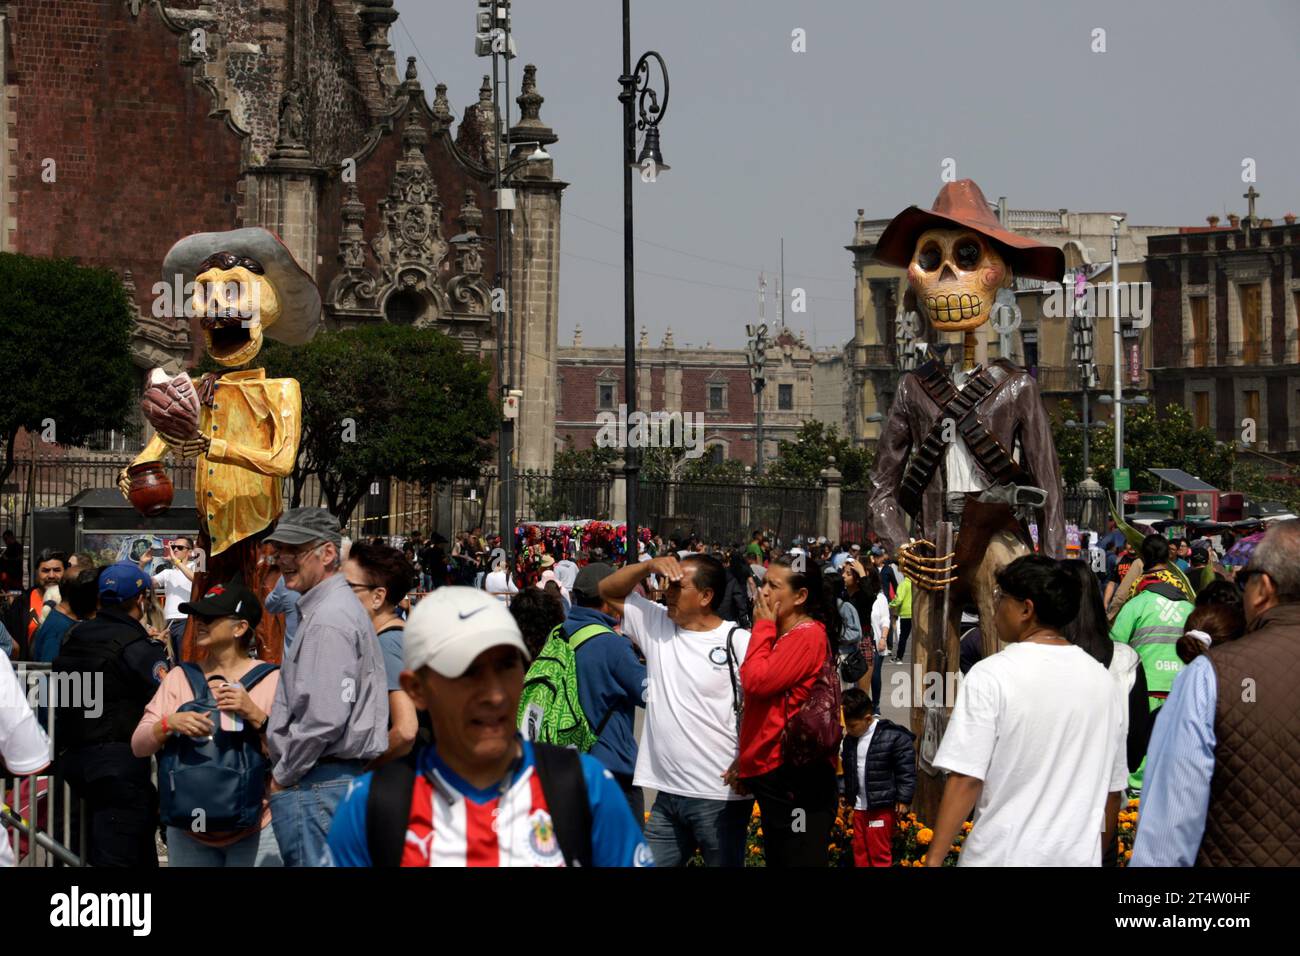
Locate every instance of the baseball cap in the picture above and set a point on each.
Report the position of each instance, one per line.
(454, 625)
(588, 582)
(877, 550)
(122, 581)
(227, 600)
(305, 525)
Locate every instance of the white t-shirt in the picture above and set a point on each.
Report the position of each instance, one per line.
(1040, 725)
(864, 744)
(879, 620)
(177, 589)
(23, 743)
(690, 727)
(499, 584)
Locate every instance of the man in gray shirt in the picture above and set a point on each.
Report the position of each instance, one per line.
(330, 716)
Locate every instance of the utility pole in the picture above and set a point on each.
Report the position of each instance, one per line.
(780, 283)
(492, 38)
(757, 359)
(1119, 354)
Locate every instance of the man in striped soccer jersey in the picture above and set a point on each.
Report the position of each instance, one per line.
(483, 796)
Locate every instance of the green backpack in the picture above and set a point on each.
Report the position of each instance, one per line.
(549, 709)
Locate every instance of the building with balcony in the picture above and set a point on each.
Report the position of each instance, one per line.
(1226, 328)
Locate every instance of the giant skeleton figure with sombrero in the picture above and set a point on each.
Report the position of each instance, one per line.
(246, 283)
(966, 449)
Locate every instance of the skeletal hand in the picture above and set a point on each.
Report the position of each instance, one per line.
(187, 448)
(927, 570)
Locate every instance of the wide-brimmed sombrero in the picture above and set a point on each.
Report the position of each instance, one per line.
(300, 302)
(962, 204)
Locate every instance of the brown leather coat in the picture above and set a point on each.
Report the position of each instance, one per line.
(1014, 413)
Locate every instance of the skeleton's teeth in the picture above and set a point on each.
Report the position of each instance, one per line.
(954, 307)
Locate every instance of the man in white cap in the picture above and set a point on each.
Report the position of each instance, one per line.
(482, 795)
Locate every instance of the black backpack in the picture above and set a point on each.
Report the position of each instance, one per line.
(224, 775)
(559, 769)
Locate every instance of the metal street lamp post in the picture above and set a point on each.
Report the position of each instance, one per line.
(636, 89)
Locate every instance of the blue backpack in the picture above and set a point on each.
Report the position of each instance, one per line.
(215, 785)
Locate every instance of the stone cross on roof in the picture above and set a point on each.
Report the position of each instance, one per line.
(1250, 195)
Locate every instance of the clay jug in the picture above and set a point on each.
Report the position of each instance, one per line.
(151, 489)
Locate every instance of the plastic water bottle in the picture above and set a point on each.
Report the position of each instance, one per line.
(231, 721)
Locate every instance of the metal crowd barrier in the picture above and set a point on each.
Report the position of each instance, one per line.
(37, 834)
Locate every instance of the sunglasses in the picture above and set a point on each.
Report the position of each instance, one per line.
(1244, 576)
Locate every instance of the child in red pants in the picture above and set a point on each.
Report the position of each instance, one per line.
(879, 760)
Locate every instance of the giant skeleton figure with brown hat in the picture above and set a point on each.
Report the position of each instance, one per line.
(967, 450)
(242, 427)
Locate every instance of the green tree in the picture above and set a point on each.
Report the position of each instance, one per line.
(386, 401)
(811, 451)
(65, 365)
(1153, 438)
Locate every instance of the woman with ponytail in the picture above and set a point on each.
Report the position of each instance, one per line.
(790, 725)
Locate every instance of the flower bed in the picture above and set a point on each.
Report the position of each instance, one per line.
(911, 839)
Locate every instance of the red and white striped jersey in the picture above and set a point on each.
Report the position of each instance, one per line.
(452, 823)
(512, 830)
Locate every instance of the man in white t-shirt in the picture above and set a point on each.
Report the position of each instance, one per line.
(23, 745)
(177, 582)
(693, 660)
(1035, 742)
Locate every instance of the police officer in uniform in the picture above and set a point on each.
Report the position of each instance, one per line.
(118, 666)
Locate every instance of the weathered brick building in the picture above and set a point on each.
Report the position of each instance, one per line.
(127, 124)
(715, 382)
(1226, 328)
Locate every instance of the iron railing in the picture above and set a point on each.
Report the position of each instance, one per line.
(40, 813)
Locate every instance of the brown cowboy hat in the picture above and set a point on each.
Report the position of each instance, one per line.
(962, 205)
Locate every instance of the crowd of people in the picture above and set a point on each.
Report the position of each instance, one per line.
(436, 705)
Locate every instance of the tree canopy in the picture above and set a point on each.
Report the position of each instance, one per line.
(385, 401)
(65, 367)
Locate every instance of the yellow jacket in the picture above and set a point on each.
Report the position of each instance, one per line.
(255, 423)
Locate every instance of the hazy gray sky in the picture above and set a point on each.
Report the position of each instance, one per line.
(765, 142)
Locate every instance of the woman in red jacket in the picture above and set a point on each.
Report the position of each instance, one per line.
(796, 626)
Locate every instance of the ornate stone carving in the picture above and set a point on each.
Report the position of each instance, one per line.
(442, 115)
(468, 291)
(530, 126)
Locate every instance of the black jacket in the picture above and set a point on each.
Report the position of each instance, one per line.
(891, 766)
(735, 603)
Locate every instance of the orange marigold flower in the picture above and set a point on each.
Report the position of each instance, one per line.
(967, 826)
(1128, 854)
(925, 836)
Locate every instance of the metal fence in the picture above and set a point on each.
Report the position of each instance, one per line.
(727, 513)
(541, 497)
(40, 813)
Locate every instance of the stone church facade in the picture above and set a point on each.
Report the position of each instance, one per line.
(127, 124)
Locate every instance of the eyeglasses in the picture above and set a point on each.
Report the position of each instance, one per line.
(1244, 576)
(364, 587)
(294, 552)
(180, 547)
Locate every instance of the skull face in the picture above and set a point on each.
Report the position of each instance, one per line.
(956, 274)
(234, 305)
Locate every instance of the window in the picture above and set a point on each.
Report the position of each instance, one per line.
(717, 398)
(1251, 401)
(1201, 409)
(1250, 324)
(605, 399)
(1200, 330)
(785, 398)
(716, 454)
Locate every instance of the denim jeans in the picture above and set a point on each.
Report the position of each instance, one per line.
(679, 825)
(176, 627)
(302, 814)
(256, 849)
(877, 673)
